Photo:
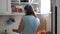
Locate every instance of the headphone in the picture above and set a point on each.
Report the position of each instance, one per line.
(27, 7)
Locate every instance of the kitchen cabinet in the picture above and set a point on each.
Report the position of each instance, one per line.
(6, 6)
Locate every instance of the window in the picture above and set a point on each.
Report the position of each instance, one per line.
(45, 6)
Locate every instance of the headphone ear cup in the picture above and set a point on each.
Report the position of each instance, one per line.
(13, 20)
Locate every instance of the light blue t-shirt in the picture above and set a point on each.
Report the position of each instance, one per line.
(31, 24)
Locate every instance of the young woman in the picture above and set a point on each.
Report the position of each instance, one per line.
(29, 22)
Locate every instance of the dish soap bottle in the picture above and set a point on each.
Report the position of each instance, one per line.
(9, 32)
(6, 31)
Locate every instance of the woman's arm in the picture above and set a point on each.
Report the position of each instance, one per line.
(21, 26)
(34, 14)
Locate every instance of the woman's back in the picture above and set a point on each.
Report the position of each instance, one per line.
(30, 24)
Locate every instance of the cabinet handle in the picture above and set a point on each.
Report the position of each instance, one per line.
(56, 19)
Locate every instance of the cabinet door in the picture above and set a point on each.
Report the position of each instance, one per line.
(58, 16)
(5, 7)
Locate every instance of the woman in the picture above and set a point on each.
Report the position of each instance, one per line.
(29, 23)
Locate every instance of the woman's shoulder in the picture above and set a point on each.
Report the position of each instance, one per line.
(27, 15)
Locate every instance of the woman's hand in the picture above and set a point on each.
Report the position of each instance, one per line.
(20, 28)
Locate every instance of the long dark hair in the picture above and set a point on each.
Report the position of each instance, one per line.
(29, 10)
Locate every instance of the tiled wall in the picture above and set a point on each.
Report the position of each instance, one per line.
(12, 26)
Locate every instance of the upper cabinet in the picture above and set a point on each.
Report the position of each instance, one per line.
(25, 1)
(16, 7)
(5, 7)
